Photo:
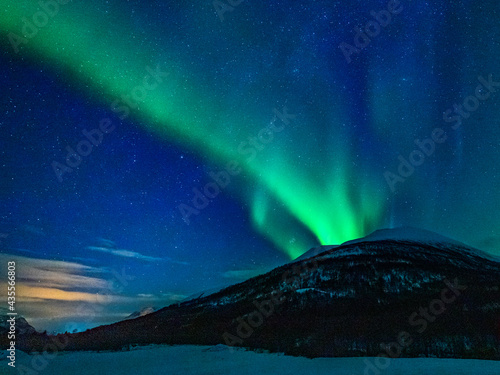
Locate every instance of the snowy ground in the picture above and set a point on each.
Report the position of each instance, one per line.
(185, 360)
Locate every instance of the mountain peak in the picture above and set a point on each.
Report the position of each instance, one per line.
(406, 233)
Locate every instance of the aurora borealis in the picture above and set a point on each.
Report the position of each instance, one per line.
(184, 92)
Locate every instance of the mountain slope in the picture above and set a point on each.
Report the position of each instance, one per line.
(406, 297)
(142, 312)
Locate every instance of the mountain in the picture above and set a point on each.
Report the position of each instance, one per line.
(397, 292)
(142, 312)
(315, 251)
(400, 234)
(26, 336)
(203, 293)
(22, 327)
(408, 234)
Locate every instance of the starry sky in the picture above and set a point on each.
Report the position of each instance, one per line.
(152, 150)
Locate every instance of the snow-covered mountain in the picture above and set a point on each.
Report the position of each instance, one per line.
(408, 234)
(420, 236)
(142, 312)
(22, 327)
(400, 234)
(347, 300)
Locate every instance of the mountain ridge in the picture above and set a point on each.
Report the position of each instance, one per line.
(345, 301)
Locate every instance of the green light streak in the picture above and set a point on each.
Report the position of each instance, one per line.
(98, 49)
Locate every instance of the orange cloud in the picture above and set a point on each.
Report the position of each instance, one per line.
(63, 295)
(54, 280)
(52, 294)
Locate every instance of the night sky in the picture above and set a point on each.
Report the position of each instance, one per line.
(152, 150)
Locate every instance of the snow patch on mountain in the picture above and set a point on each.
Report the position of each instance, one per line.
(142, 312)
(422, 236)
(407, 234)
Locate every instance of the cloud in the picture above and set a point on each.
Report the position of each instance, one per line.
(143, 295)
(33, 230)
(54, 293)
(108, 246)
(124, 253)
(173, 297)
(176, 261)
(43, 293)
(169, 297)
(45, 279)
(52, 273)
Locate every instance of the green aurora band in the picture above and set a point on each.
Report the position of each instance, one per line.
(293, 204)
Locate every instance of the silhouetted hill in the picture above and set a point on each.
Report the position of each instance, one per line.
(404, 297)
